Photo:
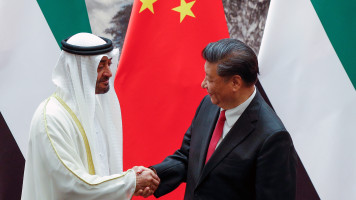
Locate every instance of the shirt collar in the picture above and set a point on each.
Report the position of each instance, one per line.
(233, 114)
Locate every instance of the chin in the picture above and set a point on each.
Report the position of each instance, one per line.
(106, 90)
(102, 90)
(213, 100)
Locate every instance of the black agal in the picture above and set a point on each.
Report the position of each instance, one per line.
(93, 50)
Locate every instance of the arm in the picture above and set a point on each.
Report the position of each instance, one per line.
(56, 166)
(276, 168)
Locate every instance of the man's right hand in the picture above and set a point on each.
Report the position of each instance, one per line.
(146, 181)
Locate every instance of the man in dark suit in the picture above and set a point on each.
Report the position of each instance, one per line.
(236, 146)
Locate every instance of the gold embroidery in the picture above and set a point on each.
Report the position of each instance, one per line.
(80, 127)
(82, 131)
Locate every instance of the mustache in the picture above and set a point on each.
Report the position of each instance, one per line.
(103, 79)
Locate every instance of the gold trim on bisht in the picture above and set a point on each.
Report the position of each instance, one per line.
(82, 131)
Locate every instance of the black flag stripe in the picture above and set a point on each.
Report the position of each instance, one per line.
(305, 188)
(12, 164)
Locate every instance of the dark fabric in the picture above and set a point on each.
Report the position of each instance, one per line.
(256, 159)
(305, 189)
(12, 164)
(93, 50)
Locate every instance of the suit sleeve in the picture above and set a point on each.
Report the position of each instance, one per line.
(276, 168)
(173, 170)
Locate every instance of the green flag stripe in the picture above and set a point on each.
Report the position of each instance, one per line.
(65, 17)
(339, 21)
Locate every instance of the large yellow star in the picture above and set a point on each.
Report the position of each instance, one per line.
(184, 9)
(147, 4)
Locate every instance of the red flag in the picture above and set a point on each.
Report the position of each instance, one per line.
(159, 75)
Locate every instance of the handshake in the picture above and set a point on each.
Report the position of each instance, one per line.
(147, 181)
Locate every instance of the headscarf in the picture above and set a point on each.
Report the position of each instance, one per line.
(75, 77)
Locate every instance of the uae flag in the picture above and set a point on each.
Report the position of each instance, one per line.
(308, 70)
(30, 36)
(160, 73)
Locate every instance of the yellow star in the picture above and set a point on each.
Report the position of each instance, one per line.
(147, 4)
(184, 9)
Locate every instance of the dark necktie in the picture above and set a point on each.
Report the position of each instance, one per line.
(216, 135)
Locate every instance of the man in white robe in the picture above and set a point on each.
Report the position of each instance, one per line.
(75, 146)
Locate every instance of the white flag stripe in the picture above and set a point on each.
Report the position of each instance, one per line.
(28, 52)
(311, 92)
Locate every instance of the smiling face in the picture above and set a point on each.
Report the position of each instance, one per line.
(219, 88)
(104, 74)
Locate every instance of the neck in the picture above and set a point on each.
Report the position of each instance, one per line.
(241, 96)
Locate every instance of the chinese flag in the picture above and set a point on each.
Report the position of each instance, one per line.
(160, 73)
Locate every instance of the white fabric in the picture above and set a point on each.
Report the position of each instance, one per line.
(233, 114)
(57, 167)
(79, 94)
(312, 94)
(85, 40)
(75, 77)
(28, 52)
(103, 168)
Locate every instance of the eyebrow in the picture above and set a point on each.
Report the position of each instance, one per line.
(105, 60)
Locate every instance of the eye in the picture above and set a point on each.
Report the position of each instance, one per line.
(100, 68)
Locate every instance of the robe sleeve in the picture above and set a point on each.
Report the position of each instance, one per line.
(55, 167)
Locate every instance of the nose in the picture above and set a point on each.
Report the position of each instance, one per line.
(203, 84)
(108, 72)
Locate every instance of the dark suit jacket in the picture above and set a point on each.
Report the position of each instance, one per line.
(255, 160)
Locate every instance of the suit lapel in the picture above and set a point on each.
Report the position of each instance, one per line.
(240, 130)
(206, 135)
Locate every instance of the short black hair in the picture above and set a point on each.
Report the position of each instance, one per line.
(234, 58)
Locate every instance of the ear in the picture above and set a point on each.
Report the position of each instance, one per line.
(236, 81)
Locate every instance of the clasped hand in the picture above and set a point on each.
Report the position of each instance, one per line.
(146, 181)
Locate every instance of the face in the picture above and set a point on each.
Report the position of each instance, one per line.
(219, 89)
(104, 74)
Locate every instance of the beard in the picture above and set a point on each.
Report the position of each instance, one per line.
(101, 90)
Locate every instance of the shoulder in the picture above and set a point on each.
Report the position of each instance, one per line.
(268, 121)
(206, 97)
(50, 112)
(206, 102)
(206, 107)
(42, 110)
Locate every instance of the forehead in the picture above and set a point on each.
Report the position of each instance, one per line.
(104, 59)
(210, 68)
